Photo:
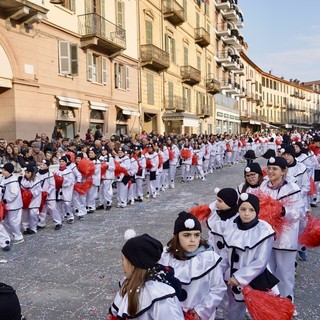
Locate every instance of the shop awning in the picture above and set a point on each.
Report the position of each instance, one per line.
(98, 106)
(129, 111)
(69, 102)
(288, 126)
(5, 70)
(188, 120)
(255, 122)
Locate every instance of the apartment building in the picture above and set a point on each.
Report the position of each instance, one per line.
(68, 63)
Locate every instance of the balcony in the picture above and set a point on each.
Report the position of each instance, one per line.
(190, 75)
(212, 85)
(230, 14)
(22, 12)
(222, 4)
(269, 104)
(201, 37)
(175, 103)
(227, 86)
(231, 40)
(154, 57)
(228, 60)
(203, 112)
(99, 33)
(240, 71)
(250, 96)
(241, 93)
(222, 30)
(173, 12)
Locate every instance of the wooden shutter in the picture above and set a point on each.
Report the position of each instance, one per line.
(173, 43)
(74, 59)
(104, 76)
(170, 95)
(127, 78)
(185, 56)
(150, 89)
(64, 57)
(148, 32)
(120, 14)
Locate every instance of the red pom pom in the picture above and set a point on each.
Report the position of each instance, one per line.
(111, 317)
(185, 153)
(201, 212)
(44, 196)
(278, 142)
(144, 151)
(149, 164)
(171, 154)
(228, 148)
(194, 160)
(104, 167)
(264, 305)
(118, 169)
(72, 156)
(313, 188)
(58, 180)
(86, 167)
(160, 161)
(310, 237)
(26, 198)
(83, 187)
(3, 210)
(190, 315)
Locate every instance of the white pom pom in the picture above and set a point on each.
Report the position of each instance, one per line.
(247, 169)
(282, 150)
(272, 160)
(189, 223)
(244, 196)
(216, 190)
(130, 233)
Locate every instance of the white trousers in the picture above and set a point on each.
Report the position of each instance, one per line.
(11, 223)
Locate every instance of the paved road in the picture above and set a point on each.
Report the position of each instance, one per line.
(73, 273)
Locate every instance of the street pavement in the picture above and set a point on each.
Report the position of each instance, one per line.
(73, 273)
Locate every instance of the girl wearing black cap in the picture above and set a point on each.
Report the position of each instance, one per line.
(253, 178)
(282, 261)
(149, 290)
(11, 197)
(31, 183)
(246, 251)
(197, 266)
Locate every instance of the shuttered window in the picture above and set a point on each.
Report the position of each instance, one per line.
(148, 32)
(120, 14)
(68, 58)
(150, 89)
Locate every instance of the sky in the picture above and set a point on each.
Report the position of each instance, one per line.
(283, 36)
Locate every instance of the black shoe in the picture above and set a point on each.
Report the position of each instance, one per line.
(313, 205)
(40, 227)
(108, 208)
(81, 218)
(6, 248)
(90, 211)
(101, 207)
(27, 231)
(58, 227)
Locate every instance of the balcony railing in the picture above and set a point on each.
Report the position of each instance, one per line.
(96, 31)
(203, 112)
(190, 75)
(154, 57)
(222, 4)
(201, 37)
(222, 29)
(175, 103)
(212, 85)
(173, 12)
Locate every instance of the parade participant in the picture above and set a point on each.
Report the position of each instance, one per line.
(64, 190)
(197, 266)
(93, 191)
(146, 291)
(197, 162)
(122, 178)
(140, 175)
(247, 248)
(4, 236)
(253, 178)
(134, 167)
(31, 183)
(107, 178)
(165, 167)
(186, 154)
(206, 155)
(173, 160)
(279, 187)
(152, 162)
(11, 197)
(49, 206)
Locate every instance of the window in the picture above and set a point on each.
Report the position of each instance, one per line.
(69, 4)
(185, 7)
(198, 62)
(68, 58)
(197, 20)
(122, 80)
(150, 88)
(185, 56)
(186, 98)
(120, 14)
(170, 95)
(148, 32)
(171, 47)
(96, 68)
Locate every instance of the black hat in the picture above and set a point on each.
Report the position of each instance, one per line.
(186, 222)
(316, 138)
(64, 158)
(278, 161)
(252, 199)
(143, 251)
(46, 162)
(8, 167)
(30, 168)
(299, 144)
(68, 157)
(136, 147)
(269, 153)
(228, 195)
(253, 167)
(289, 149)
(79, 155)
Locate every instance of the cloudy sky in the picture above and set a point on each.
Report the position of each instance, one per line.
(283, 36)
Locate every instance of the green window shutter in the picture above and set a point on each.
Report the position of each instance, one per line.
(127, 78)
(88, 6)
(150, 88)
(89, 65)
(173, 50)
(64, 57)
(74, 59)
(170, 95)
(185, 7)
(104, 70)
(185, 56)
(198, 63)
(166, 40)
(120, 14)
(197, 20)
(148, 32)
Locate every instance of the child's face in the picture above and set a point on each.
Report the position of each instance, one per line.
(252, 178)
(28, 174)
(275, 173)
(127, 267)
(246, 212)
(189, 240)
(221, 205)
(43, 166)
